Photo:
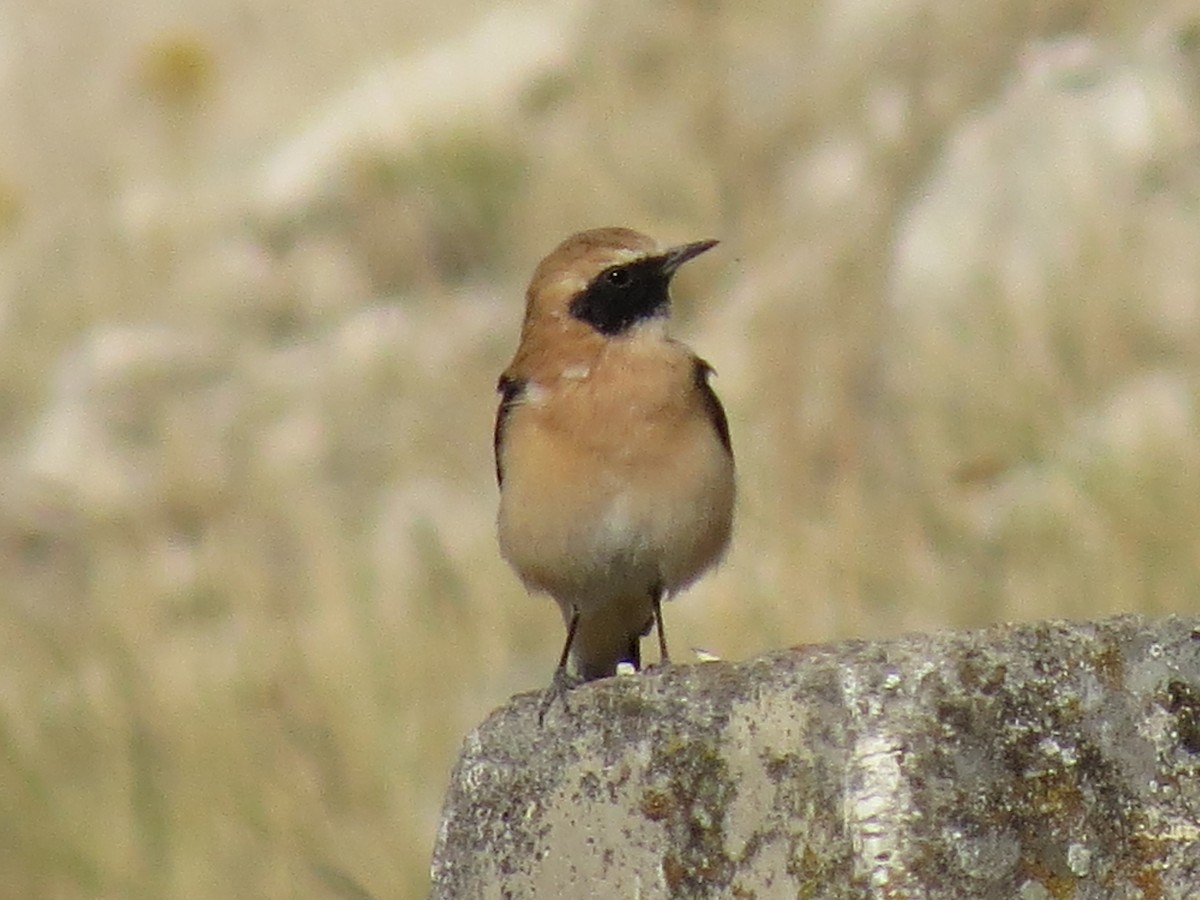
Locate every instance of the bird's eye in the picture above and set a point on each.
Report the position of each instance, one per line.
(617, 277)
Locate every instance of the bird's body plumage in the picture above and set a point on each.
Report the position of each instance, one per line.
(612, 451)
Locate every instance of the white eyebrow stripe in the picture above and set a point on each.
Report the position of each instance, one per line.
(626, 255)
(572, 284)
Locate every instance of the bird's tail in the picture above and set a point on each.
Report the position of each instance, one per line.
(601, 645)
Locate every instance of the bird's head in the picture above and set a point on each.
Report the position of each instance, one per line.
(608, 279)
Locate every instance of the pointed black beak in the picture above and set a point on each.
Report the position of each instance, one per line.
(677, 256)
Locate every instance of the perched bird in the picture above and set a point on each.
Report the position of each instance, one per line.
(612, 451)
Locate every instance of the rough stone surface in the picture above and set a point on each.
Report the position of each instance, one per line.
(1055, 760)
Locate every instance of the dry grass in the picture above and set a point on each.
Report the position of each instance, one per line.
(252, 600)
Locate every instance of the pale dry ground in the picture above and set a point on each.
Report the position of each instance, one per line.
(260, 265)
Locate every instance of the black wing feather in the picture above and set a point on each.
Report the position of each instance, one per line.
(510, 393)
(712, 403)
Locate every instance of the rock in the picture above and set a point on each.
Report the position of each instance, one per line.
(1053, 759)
(409, 176)
(1056, 199)
(468, 82)
(123, 430)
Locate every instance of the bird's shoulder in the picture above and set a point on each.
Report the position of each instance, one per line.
(622, 379)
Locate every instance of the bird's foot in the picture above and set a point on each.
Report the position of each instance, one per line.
(562, 682)
(657, 668)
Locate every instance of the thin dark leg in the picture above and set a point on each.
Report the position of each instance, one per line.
(561, 682)
(634, 653)
(664, 658)
(572, 627)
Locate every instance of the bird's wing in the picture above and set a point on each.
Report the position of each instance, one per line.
(510, 390)
(712, 403)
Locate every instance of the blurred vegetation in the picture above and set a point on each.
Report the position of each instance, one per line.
(261, 266)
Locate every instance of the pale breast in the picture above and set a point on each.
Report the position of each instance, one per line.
(614, 475)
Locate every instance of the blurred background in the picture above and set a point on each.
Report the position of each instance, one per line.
(262, 261)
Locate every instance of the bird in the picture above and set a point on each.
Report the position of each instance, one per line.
(613, 454)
